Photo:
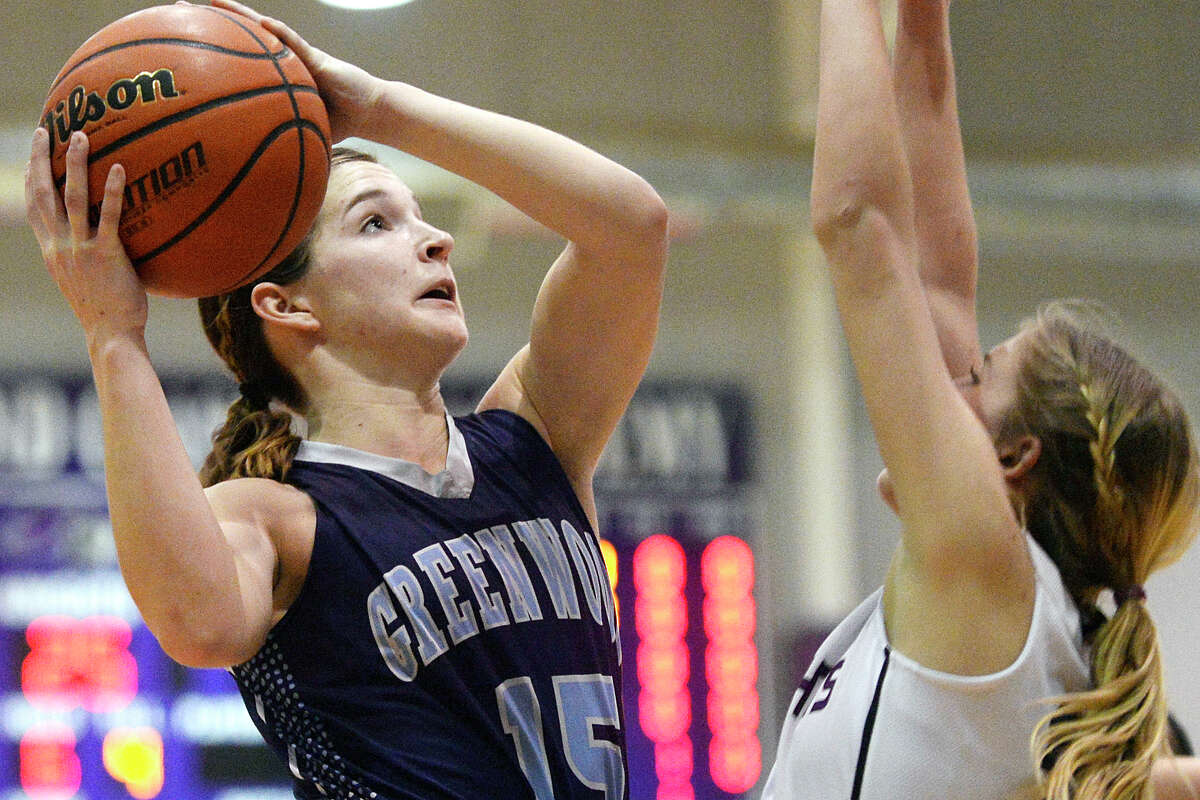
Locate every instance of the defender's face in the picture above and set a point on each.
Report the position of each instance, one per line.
(992, 388)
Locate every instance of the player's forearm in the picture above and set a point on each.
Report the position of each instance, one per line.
(926, 97)
(583, 196)
(859, 166)
(946, 235)
(172, 553)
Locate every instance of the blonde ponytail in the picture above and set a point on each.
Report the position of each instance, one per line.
(1102, 743)
(1115, 497)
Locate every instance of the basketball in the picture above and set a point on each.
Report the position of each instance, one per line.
(223, 137)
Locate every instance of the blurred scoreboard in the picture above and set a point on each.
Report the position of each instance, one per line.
(91, 708)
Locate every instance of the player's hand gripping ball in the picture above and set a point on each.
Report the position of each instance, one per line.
(223, 137)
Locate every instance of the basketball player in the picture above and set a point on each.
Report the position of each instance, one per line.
(412, 605)
(1031, 482)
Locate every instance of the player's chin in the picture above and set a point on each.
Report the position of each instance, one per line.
(450, 331)
(444, 314)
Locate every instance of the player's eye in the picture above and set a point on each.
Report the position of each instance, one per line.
(373, 223)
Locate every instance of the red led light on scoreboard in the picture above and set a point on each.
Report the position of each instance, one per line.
(736, 765)
(662, 619)
(663, 662)
(665, 716)
(733, 715)
(79, 663)
(659, 567)
(673, 761)
(50, 767)
(729, 618)
(727, 568)
(731, 664)
(665, 665)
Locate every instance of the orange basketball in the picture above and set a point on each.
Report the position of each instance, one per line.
(223, 137)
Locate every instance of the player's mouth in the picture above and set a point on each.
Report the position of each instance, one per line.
(442, 290)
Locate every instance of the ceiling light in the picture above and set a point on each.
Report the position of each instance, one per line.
(364, 5)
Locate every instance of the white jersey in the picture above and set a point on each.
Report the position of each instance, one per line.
(869, 723)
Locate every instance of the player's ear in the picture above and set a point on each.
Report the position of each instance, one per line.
(1019, 456)
(280, 305)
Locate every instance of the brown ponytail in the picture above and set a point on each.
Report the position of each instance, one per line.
(256, 440)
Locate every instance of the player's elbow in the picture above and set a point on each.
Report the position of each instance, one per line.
(857, 206)
(203, 642)
(655, 215)
(651, 220)
(201, 654)
(639, 228)
(867, 256)
(838, 218)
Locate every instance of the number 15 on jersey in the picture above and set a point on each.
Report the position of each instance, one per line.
(582, 703)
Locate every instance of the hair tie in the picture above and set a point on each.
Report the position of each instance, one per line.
(254, 394)
(1133, 592)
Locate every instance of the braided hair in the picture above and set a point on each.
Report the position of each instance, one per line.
(1114, 497)
(257, 440)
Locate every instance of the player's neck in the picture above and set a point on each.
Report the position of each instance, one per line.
(389, 421)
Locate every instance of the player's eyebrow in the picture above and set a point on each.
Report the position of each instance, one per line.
(362, 197)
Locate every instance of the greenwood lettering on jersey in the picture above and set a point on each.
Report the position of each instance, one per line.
(564, 561)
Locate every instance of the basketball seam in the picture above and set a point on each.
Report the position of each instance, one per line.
(169, 41)
(228, 190)
(179, 116)
(300, 176)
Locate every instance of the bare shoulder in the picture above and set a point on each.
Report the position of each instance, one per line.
(934, 612)
(509, 393)
(276, 509)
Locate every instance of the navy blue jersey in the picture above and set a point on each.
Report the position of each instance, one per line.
(455, 635)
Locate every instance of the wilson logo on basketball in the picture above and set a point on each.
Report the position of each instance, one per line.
(82, 107)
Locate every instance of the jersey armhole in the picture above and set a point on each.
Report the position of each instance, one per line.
(547, 453)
